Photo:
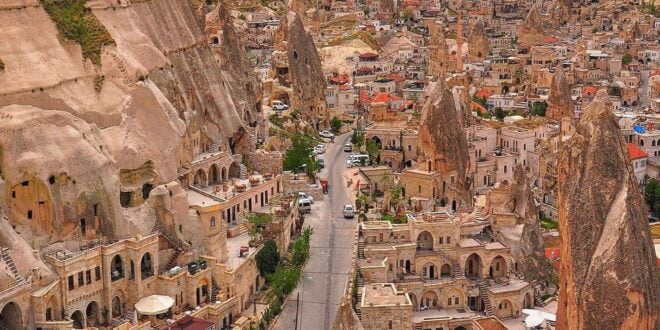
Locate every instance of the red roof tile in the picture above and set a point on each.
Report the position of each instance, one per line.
(589, 90)
(636, 152)
(484, 92)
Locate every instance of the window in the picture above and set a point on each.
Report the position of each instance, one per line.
(449, 301)
(441, 239)
(88, 276)
(71, 286)
(212, 222)
(97, 273)
(29, 214)
(504, 168)
(455, 300)
(390, 324)
(448, 239)
(497, 266)
(419, 189)
(391, 267)
(81, 282)
(83, 228)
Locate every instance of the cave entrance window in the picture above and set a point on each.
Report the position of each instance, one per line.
(295, 54)
(125, 199)
(29, 214)
(146, 189)
(83, 228)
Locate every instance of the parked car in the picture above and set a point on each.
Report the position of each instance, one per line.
(652, 218)
(357, 160)
(279, 106)
(303, 195)
(348, 147)
(304, 205)
(319, 149)
(321, 162)
(349, 212)
(326, 134)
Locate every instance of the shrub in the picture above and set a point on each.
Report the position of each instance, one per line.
(300, 251)
(267, 258)
(626, 59)
(335, 124)
(77, 23)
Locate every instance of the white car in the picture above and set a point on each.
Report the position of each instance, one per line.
(326, 134)
(349, 211)
(357, 160)
(279, 106)
(348, 147)
(303, 195)
(319, 149)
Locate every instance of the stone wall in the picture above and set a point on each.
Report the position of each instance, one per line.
(264, 162)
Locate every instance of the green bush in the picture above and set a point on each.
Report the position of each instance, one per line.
(626, 59)
(549, 224)
(300, 250)
(77, 23)
(267, 258)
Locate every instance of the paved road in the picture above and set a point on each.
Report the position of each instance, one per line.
(326, 275)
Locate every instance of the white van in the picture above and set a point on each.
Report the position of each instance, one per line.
(278, 105)
(357, 160)
(304, 205)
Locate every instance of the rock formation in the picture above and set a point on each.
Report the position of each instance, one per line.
(443, 146)
(608, 268)
(560, 104)
(477, 42)
(297, 70)
(438, 51)
(92, 137)
(532, 31)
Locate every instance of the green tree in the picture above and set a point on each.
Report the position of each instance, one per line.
(652, 196)
(373, 149)
(357, 139)
(500, 114)
(267, 258)
(539, 108)
(335, 124)
(300, 156)
(284, 280)
(626, 59)
(258, 222)
(300, 250)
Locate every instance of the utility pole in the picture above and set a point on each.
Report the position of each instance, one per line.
(297, 307)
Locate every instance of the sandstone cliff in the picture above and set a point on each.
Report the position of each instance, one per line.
(89, 137)
(532, 31)
(560, 104)
(478, 42)
(608, 269)
(443, 146)
(438, 51)
(297, 70)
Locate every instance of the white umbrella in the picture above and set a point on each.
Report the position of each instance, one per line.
(154, 305)
(534, 320)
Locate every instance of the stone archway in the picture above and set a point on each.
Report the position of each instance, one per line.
(504, 309)
(425, 241)
(430, 271)
(92, 314)
(199, 179)
(413, 299)
(52, 309)
(498, 267)
(11, 316)
(78, 320)
(429, 300)
(117, 304)
(146, 266)
(473, 266)
(445, 270)
(528, 302)
(214, 175)
(116, 268)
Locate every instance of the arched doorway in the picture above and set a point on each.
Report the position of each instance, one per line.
(200, 178)
(52, 310)
(78, 320)
(430, 271)
(146, 266)
(202, 291)
(425, 241)
(453, 206)
(473, 266)
(408, 266)
(116, 268)
(116, 306)
(504, 309)
(429, 300)
(497, 267)
(214, 174)
(413, 299)
(445, 270)
(11, 316)
(92, 314)
(528, 303)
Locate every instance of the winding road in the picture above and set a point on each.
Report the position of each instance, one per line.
(326, 274)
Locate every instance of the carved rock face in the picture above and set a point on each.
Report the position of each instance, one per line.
(608, 271)
(531, 31)
(443, 143)
(477, 41)
(560, 103)
(438, 51)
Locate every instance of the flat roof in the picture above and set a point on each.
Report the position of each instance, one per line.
(382, 294)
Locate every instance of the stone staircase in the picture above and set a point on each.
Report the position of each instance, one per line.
(178, 250)
(360, 285)
(538, 301)
(10, 263)
(243, 172)
(488, 308)
(455, 267)
(478, 214)
(361, 248)
(215, 290)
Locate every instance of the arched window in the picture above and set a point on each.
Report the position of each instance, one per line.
(641, 143)
(212, 222)
(146, 267)
(116, 268)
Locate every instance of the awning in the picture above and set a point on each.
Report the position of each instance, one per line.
(154, 305)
